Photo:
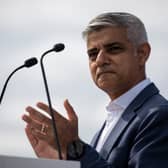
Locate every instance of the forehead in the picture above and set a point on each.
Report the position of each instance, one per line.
(107, 35)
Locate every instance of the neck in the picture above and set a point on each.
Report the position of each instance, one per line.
(115, 93)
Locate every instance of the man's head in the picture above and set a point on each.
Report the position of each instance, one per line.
(135, 28)
(118, 48)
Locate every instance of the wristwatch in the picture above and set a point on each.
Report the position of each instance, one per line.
(75, 150)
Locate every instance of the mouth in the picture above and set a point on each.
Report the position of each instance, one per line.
(103, 73)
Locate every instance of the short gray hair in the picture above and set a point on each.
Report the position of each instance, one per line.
(136, 31)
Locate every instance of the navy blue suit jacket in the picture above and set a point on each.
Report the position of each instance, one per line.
(139, 139)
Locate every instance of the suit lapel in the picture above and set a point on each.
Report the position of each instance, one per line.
(96, 137)
(128, 115)
(116, 132)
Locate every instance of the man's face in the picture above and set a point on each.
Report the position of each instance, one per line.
(115, 63)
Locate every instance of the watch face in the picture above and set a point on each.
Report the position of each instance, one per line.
(75, 149)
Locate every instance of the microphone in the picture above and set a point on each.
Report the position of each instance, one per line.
(28, 63)
(57, 48)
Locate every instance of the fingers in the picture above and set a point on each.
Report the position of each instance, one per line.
(34, 132)
(45, 108)
(58, 117)
(40, 135)
(40, 125)
(32, 123)
(33, 141)
(35, 118)
(36, 115)
(70, 111)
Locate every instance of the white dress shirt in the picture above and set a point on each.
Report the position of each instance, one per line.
(116, 108)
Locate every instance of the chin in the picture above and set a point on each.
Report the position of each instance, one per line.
(108, 86)
(105, 86)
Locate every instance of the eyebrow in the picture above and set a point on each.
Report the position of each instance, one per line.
(92, 50)
(111, 44)
(105, 46)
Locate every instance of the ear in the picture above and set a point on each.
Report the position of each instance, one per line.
(143, 53)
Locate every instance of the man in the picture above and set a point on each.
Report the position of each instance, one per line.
(135, 134)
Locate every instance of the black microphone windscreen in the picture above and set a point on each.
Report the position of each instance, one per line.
(58, 47)
(30, 62)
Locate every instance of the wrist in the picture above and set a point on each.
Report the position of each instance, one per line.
(75, 150)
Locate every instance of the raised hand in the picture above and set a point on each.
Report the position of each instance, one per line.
(40, 126)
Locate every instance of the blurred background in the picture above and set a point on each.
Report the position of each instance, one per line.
(30, 27)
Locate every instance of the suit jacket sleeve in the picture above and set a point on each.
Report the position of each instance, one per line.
(91, 159)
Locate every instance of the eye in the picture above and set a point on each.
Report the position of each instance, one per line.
(93, 55)
(114, 49)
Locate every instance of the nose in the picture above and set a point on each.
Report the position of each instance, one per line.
(102, 58)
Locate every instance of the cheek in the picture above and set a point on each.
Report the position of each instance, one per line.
(123, 68)
(92, 71)
(129, 69)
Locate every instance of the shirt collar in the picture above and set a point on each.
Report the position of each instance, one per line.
(122, 102)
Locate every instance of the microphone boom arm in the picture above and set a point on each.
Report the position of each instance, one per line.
(57, 48)
(28, 63)
(5, 85)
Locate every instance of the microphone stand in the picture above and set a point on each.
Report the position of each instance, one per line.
(49, 100)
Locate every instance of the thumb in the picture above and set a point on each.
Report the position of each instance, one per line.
(70, 111)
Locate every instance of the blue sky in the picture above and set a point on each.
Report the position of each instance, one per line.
(28, 28)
